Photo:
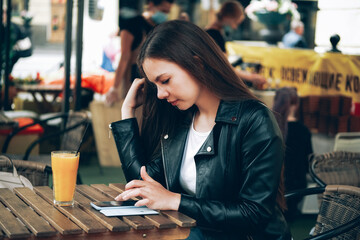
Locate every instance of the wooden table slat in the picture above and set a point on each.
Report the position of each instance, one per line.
(56, 219)
(33, 221)
(81, 218)
(180, 219)
(10, 225)
(160, 221)
(111, 191)
(118, 187)
(141, 234)
(108, 191)
(92, 193)
(113, 224)
(155, 227)
(138, 222)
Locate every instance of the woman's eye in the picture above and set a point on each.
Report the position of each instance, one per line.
(166, 81)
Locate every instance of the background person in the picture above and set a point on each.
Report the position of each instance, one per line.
(229, 17)
(298, 145)
(294, 38)
(211, 149)
(132, 34)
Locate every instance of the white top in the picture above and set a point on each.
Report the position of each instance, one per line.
(188, 169)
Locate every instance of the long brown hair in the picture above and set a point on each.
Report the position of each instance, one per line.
(188, 46)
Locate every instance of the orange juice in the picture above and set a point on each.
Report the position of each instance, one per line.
(64, 167)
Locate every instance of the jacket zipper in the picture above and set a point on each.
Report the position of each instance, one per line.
(163, 160)
(228, 143)
(228, 149)
(110, 128)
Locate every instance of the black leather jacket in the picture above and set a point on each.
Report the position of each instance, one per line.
(237, 171)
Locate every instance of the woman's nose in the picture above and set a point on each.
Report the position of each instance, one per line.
(162, 93)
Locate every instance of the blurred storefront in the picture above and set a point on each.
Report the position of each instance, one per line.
(58, 20)
(48, 17)
(308, 11)
(342, 18)
(310, 72)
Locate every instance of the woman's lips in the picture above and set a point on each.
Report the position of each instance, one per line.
(174, 102)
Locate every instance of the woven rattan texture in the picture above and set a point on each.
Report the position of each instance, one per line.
(339, 205)
(33, 171)
(341, 168)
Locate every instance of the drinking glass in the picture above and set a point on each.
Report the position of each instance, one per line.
(64, 166)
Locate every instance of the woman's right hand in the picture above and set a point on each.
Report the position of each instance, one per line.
(133, 99)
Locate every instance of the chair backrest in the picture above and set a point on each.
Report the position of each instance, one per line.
(71, 139)
(340, 204)
(71, 135)
(339, 168)
(347, 141)
(37, 173)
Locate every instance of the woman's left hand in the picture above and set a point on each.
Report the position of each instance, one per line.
(153, 194)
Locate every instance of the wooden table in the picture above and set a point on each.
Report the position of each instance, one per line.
(39, 93)
(30, 214)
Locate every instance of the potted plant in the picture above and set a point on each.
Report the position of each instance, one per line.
(272, 13)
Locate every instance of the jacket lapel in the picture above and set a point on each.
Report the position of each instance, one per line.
(172, 147)
(208, 148)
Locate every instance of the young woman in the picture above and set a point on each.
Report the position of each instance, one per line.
(208, 148)
(132, 34)
(228, 19)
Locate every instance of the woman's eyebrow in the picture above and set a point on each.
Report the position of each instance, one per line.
(158, 77)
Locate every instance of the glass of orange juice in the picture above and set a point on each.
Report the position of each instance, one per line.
(64, 166)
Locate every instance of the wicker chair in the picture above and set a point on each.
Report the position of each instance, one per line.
(37, 173)
(340, 168)
(339, 214)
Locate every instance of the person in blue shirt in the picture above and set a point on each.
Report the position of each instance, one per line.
(294, 38)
